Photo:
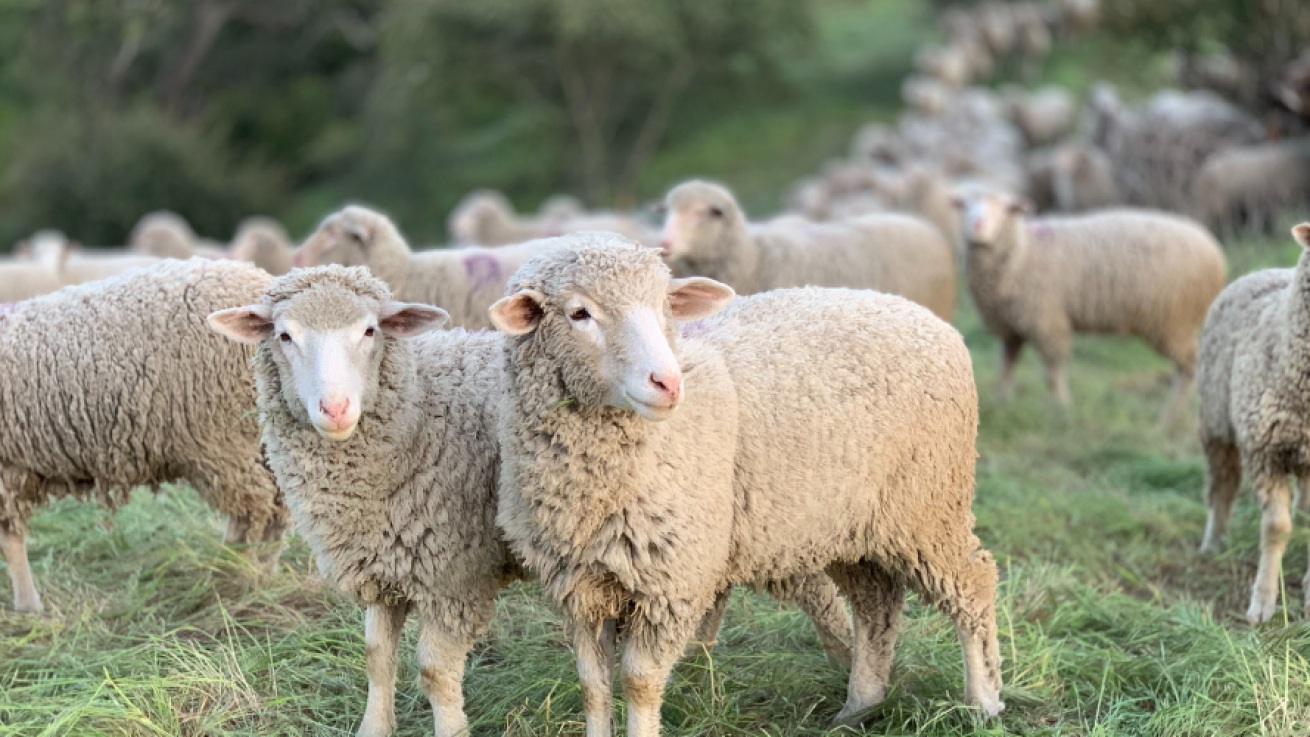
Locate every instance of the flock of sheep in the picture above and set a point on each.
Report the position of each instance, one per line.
(641, 417)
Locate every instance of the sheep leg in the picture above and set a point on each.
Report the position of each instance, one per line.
(1010, 349)
(13, 545)
(707, 633)
(818, 596)
(382, 629)
(441, 656)
(876, 599)
(647, 663)
(593, 646)
(1057, 380)
(1222, 480)
(1275, 495)
(1178, 393)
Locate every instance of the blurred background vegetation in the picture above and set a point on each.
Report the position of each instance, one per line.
(218, 109)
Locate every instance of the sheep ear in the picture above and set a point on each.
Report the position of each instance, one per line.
(1020, 207)
(249, 325)
(1302, 234)
(405, 320)
(518, 314)
(697, 297)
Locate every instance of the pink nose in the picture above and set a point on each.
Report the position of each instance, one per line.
(668, 384)
(336, 411)
(666, 247)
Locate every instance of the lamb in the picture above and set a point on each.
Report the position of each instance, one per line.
(635, 484)
(1251, 378)
(1137, 272)
(118, 384)
(706, 234)
(464, 281)
(74, 265)
(167, 235)
(264, 243)
(347, 376)
(1254, 185)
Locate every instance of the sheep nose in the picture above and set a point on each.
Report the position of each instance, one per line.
(297, 259)
(335, 411)
(670, 384)
(666, 247)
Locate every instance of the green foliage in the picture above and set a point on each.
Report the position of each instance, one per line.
(1268, 33)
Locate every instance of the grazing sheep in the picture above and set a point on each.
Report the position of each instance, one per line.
(117, 384)
(74, 265)
(1133, 272)
(344, 380)
(1253, 185)
(165, 234)
(632, 523)
(1251, 378)
(464, 281)
(264, 243)
(1043, 115)
(706, 234)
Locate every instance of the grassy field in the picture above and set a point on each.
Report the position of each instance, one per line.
(1110, 622)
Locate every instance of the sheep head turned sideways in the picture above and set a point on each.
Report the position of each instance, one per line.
(344, 238)
(697, 216)
(609, 322)
(326, 330)
(985, 214)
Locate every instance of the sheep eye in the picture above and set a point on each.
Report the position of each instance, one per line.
(579, 314)
(368, 332)
(285, 337)
(716, 212)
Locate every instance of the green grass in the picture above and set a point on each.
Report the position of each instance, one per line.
(1111, 623)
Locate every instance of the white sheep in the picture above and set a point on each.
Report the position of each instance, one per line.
(383, 439)
(117, 384)
(1045, 114)
(464, 281)
(76, 265)
(641, 472)
(167, 235)
(706, 234)
(1254, 359)
(1133, 272)
(263, 242)
(1253, 185)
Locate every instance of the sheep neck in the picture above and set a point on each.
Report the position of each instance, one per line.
(1295, 354)
(734, 259)
(988, 268)
(389, 260)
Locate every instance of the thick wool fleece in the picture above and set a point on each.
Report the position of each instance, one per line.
(1130, 272)
(864, 469)
(462, 281)
(1255, 409)
(403, 511)
(120, 383)
(896, 254)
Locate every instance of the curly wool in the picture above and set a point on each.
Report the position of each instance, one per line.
(120, 383)
(403, 511)
(896, 254)
(462, 281)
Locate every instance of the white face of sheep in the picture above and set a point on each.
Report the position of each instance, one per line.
(690, 229)
(615, 353)
(983, 216)
(333, 370)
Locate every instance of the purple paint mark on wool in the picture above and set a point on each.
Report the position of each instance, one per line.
(482, 268)
(1040, 229)
(693, 329)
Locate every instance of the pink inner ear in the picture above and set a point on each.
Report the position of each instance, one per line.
(246, 324)
(517, 314)
(698, 299)
(1302, 234)
(411, 320)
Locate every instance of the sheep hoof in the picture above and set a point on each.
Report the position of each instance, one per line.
(991, 705)
(1261, 610)
(29, 607)
(849, 718)
(373, 730)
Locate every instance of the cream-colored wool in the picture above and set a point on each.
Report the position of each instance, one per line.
(867, 473)
(264, 243)
(1255, 409)
(165, 234)
(462, 281)
(486, 217)
(1253, 186)
(1129, 272)
(707, 235)
(20, 280)
(118, 384)
(76, 265)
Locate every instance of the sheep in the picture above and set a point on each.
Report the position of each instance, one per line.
(1253, 184)
(1071, 177)
(926, 95)
(1137, 272)
(117, 384)
(706, 234)
(1251, 379)
(947, 64)
(384, 439)
(877, 143)
(24, 278)
(464, 281)
(264, 243)
(75, 265)
(486, 217)
(167, 235)
(643, 471)
(1043, 115)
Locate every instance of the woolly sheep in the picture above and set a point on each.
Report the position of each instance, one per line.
(706, 234)
(635, 484)
(1044, 114)
(926, 95)
(264, 243)
(464, 281)
(344, 379)
(1251, 378)
(486, 218)
(75, 265)
(146, 395)
(947, 64)
(1135, 272)
(24, 279)
(1071, 177)
(1253, 184)
(167, 235)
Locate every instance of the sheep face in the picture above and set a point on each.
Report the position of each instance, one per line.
(699, 216)
(985, 215)
(327, 343)
(344, 238)
(610, 332)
